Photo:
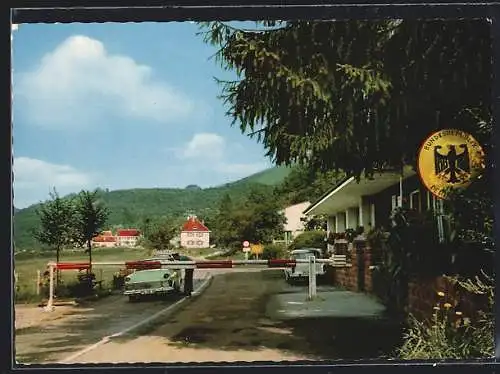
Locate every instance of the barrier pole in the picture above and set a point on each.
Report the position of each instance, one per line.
(38, 280)
(312, 278)
(50, 302)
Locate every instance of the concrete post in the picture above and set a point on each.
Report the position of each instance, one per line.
(312, 277)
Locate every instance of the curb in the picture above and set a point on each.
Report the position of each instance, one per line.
(171, 308)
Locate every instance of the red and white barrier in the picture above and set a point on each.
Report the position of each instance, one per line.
(340, 261)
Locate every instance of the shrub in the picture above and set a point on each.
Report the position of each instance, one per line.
(449, 334)
(309, 239)
(272, 251)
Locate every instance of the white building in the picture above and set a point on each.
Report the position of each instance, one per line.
(195, 234)
(294, 225)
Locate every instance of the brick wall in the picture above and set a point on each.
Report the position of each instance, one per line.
(423, 296)
(348, 277)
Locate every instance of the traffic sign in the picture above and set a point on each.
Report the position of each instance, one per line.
(246, 244)
(257, 249)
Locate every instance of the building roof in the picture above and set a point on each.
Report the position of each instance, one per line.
(347, 193)
(128, 232)
(193, 224)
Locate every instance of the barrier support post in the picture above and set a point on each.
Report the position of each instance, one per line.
(38, 280)
(50, 302)
(312, 277)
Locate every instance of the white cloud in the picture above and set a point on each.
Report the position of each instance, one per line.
(80, 84)
(203, 145)
(34, 178)
(217, 153)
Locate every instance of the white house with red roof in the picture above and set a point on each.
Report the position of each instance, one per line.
(195, 234)
(127, 237)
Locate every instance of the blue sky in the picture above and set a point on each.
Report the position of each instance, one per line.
(120, 106)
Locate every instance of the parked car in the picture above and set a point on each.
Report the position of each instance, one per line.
(301, 270)
(154, 281)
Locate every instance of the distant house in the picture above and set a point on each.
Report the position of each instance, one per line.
(195, 234)
(105, 239)
(294, 225)
(127, 237)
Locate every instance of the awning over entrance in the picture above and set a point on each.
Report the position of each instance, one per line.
(348, 193)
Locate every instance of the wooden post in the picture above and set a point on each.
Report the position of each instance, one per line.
(50, 302)
(38, 280)
(101, 278)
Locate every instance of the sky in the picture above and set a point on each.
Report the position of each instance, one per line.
(120, 106)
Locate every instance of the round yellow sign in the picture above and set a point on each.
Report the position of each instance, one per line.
(449, 159)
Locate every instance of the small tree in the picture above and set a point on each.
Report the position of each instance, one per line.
(159, 235)
(56, 223)
(90, 219)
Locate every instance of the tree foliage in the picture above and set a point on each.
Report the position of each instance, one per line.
(256, 219)
(354, 95)
(91, 216)
(158, 235)
(56, 223)
(309, 239)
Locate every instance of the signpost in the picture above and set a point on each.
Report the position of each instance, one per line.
(256, 249)
(246, 248)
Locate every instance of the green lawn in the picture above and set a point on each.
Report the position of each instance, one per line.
(26, 268)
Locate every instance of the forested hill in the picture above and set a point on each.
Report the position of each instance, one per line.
(130, 207)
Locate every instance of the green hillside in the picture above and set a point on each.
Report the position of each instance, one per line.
(130, 207)
(269, 177)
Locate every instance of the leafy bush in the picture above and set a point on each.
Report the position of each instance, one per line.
(272, 251)
(450, 334)
(309, 239)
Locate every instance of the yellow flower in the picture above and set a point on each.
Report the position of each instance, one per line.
(447, 305)
(440, 293)
(466, 321)
(458, 313)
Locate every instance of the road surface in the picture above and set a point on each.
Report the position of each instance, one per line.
(239, 317)
(51, 336)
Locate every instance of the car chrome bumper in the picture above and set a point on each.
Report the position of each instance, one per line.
(148, 291)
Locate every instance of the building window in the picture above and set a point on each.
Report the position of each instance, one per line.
(191, 234)
(190, 242)
(199, 234)
(199, 242)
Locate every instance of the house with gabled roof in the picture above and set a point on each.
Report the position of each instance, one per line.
(195, 234)
(127, 237)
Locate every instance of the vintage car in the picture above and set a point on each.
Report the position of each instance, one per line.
(301, 270)
(154, 281)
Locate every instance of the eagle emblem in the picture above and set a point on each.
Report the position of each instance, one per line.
(449, 159)
(454, 166)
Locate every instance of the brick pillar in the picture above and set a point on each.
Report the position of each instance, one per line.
(368, 272)
(352, 283)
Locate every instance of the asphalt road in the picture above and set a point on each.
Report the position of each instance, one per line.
(85, 325)
(239, 317)
(236, 319)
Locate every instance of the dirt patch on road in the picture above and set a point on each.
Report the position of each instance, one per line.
(29, 316)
